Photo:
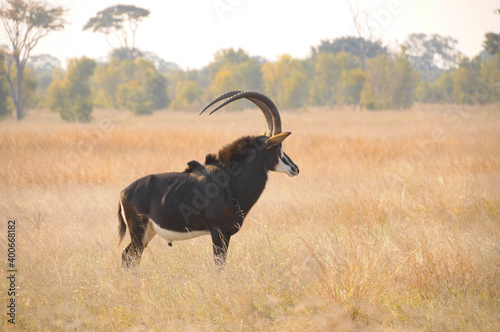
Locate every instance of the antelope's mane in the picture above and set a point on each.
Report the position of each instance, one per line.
(235, 150)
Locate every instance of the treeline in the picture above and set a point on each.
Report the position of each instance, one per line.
(344, 71)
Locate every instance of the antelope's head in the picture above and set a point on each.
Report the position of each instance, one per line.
(275, 158)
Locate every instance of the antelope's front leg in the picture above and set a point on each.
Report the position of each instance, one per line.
(220, 241)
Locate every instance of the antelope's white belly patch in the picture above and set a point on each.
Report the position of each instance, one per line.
(176, 236)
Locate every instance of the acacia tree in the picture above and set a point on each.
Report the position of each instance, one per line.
(25, 22)
(121, 21)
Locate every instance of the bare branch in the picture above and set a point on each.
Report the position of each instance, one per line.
(355, 14)
(107, 41)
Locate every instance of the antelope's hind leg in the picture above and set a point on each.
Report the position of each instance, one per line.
(141, 233)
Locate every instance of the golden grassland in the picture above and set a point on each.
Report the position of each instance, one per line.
(393, 224)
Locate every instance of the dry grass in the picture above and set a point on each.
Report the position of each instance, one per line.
(393, 224)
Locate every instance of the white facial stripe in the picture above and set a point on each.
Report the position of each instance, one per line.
(285, 165)
(176, 236)
(282, 166)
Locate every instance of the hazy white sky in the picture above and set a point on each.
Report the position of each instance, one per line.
(189, 32)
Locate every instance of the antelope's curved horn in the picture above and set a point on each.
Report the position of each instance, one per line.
(221, 97)
(265, 104)
(266, 111)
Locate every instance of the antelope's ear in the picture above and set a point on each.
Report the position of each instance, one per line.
(276, 139)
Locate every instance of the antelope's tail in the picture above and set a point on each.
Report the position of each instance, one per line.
(122, 227)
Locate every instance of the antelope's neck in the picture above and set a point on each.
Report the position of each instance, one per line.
(249, 185)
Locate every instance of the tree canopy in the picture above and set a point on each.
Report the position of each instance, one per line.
(350, 70)
(427, 53)
(492, 43)
(357, 46)
(25, 22)
(121, 21)
(71, 96)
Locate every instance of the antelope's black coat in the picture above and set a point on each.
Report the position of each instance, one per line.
(213, 197)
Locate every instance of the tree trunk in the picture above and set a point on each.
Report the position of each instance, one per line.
(11, 86)
(18, 101)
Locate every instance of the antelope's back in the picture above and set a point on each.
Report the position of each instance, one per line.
(181, 201)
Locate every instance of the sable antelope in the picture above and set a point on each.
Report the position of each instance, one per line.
(213, 198)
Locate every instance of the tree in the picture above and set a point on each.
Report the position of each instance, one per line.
(390, 83)
(350, 86)
(71, 95)
(287, 81)
(122, 53)
(233, 69)
(145, 89)
(439, 91)
(360, 18)
(186, 88)
(131, 96)
(333, 80)
(130, 84)
(358, 46)
(476, 81)
(403, 82)
(29, 84)
(431, 53)
(464, 80)
(26, 22)
(492, 43)
(489, 90)
(44, 65)
(188, 94)
(160, 64)
(244, 69)
(122, 22)
(5, 103)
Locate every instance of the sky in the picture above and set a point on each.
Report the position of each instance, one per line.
(190, 32)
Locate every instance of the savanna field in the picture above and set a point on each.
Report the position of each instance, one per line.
(392, 225)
